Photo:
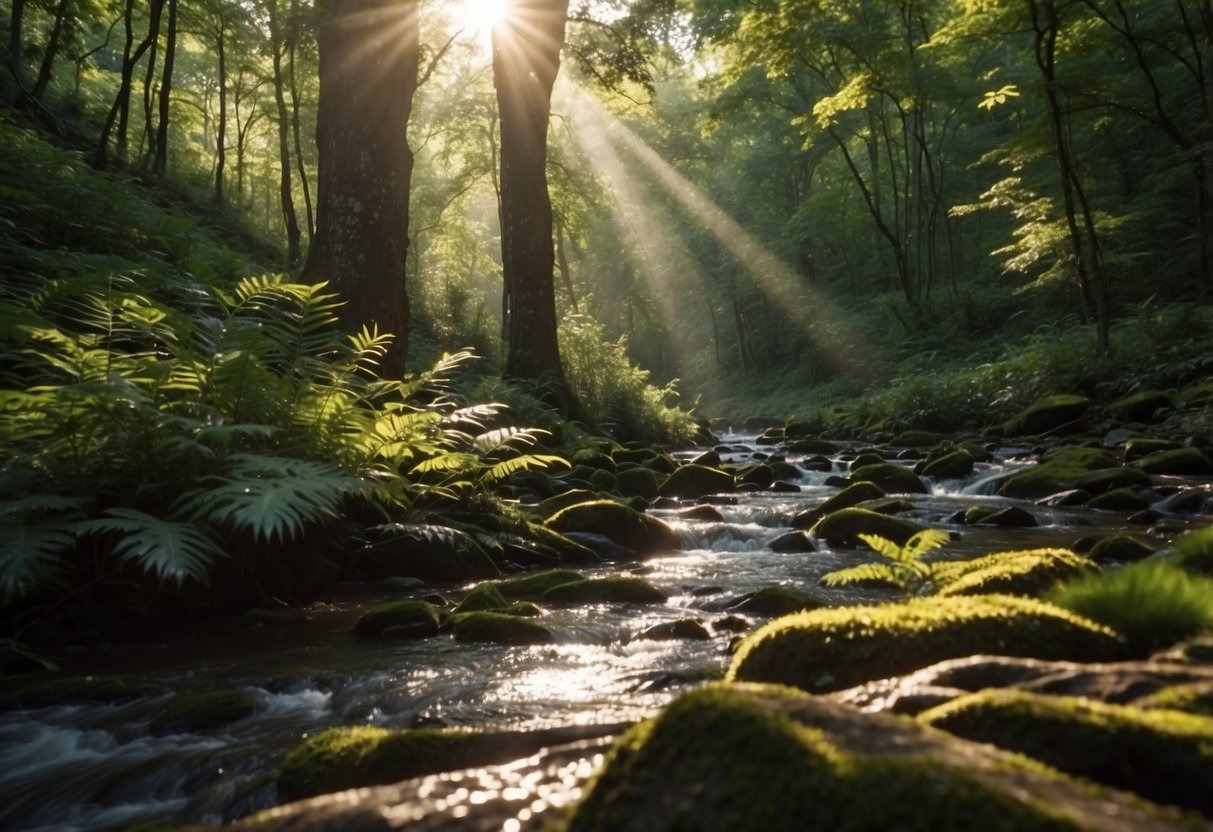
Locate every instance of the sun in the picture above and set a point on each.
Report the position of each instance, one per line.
(479, 15)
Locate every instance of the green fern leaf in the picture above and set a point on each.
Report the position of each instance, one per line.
(31, 555)
(882, 545)
(165, 548)
(924, 541)
(863, 572)
(526, 462)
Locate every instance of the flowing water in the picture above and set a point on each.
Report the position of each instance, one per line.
(99, 767)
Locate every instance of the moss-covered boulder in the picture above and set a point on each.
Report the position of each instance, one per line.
(843, 527)
(1028, 572)
(1119, 499)
(1165, 756)
(486, 596)
(202, 711)
(1119, 548)
(629, 528)
(949, 466)
(1143, 406)
(498, 628)
(1012, 517)
(1181, 461)
(1046, 414)
(776, 600)
(893, 478)
(833, 649)
(531, 587)
(823, 447)
(918, 439)
(727, 758)
(694, 481)
(867, 458)
(760, 476)
(614, 589)
(410, 618)
(684, 629)
(1059, 471)
(638, 482)
(566, 498)
(850, 496)
(1140, 446)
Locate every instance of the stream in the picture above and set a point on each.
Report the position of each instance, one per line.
(99, 767)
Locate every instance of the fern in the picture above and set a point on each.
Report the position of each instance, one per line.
(907, 569)
(31, 555)
(173, 550)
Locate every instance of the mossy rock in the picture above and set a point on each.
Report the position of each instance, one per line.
(867, 458)
(1144, 406)
(1165, 756)
(410, 618)
(1059, 471)
(950, 466)
(725, 758)
(684, 629)
(834, 649)
(1192, 699)
(843, 527)
(569, 497)
(1046, 414)
(1028, 572)
(629, 528)
(1110, 479)
(1119, 547)
(603, 480)
(532, 587)
(614, 589)
(592, 458)
(76, 690)
(1181, 461)
(483, 597)
(498, 628)
(893, 478)
(351, 757)
(695, 481)
(850, 496)
(638, 482)
(1119, 499)
(1138, 447)
(1197, 395)
(888, 505)
(759, 475)
(777, 600)
(1012, 517)
(202, 711)
(637, 456)
(563, 548)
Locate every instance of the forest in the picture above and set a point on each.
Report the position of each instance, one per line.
(401, 391)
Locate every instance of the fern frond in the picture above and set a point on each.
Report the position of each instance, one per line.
(863, 572)
(525, 462)
(446, 462)
(165, 548)
(31, 555)
(507, 437)
(924, 541)
(882, 545)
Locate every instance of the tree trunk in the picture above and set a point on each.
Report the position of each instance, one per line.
(296, 132)
(562, 261)
(160, 164)
(369, 66)
(221, 144)
(286, 197)
(526, 58)
(46, 71)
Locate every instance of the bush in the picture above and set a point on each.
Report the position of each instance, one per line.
(1151, 603)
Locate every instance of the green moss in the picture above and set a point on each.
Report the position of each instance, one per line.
(350, 757)
(813, 446)
(867, 458)
(569, 497)
(1192, 699)
(411, 617)
(202, 711)
(1119, 547)
(1046, 414)
(618, 589)
(918, 439)
(532, 587)
(1119, 499)
(893, 478)
(778, 600)
(1152, 603)
(952, 465)
(638, 482)
(1060, 471)
(76, 690)
(1166, 756)
(498, 628)
(759, 475)
(1142, 406)
(1110, 479)
(1140, 446)
(1029, 572)
(694, 481)
(843, 527)
(849, 497)
(684, 629)
(626, 526)
(486, 596)
(603, 480)
(1179, 461)
(1013, 517)
(1194, 551)
(723, 759)
(832, 649)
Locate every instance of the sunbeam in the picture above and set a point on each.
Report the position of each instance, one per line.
(602, 135)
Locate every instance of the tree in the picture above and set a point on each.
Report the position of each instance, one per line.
(526, 58)
(369, 65)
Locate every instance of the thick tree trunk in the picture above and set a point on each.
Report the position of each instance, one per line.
(369, 66)
(526, 58)
(160, 163)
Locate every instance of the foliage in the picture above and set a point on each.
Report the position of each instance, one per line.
(1153, 603)
(1194, 551)
(906, 568)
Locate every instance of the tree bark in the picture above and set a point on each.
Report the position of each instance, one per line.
(285, 195)
(221, 129)
(160, 163)
(369, 66)
(295, 131)
(47, 69)
(526, 58)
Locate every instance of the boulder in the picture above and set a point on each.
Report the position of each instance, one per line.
(1137, 447)
(433, 553)
(532, 587)
(1164, 756)
(1046, 414)
(632, 529)
(399, 619)
(638, 482)
(950, 466)
(1181, 461)
(1028, 572)
(792, 542)
(726, 758)
(192, 712)
(843, 527)
(891, 477)
(498, 628)
(918, 439)
(1013, 517)
(1145, 406)
(850, 496)
(617, 589)
(1060, 470)
(693, 481)
(602, 546)
(684, 629)
(775, 600)
(832, 649)
(485, 596)
(1119, 499)
(1119, 548)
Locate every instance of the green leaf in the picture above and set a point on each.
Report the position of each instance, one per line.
(31, 555)
(166, 548)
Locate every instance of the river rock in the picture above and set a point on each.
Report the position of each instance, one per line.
(850, 496)
(684, 629)
(602, 546)
(629, 528)
(1119, 499)
(1029, 572)
(405, 619)
(820, 464)
(891, 477)
(429, 552)
(618, 589)
(1142, 446)
(1164, 756)
(1181, 461)
(832, 649)
(693, 481)
(950, 466)
(843, 527)
(1146, 406)
(792, 542)
(201, 711)
(638, 482)
(1045, 415)
(498, 628)
(726, 758)
(775, 600)
(1060, 470)
(1012, 517)
(1119, 548)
